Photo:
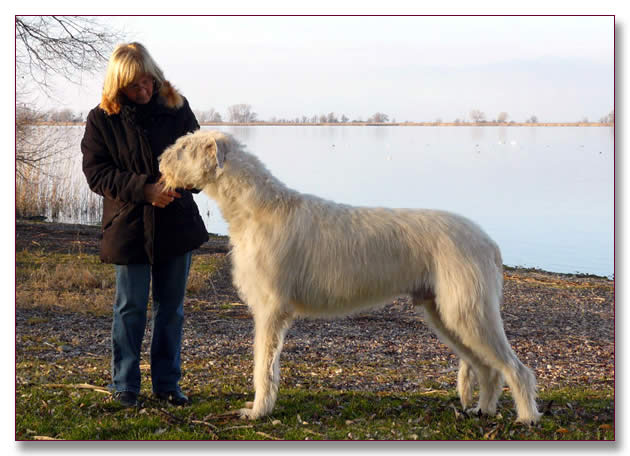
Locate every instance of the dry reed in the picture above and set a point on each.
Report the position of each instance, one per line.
(54, 188)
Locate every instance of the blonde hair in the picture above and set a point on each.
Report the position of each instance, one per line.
(126, 64)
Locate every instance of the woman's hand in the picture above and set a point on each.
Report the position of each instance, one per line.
(158, 196)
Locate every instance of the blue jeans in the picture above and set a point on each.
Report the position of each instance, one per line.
(130, 317)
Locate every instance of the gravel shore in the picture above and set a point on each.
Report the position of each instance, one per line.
(561, 326)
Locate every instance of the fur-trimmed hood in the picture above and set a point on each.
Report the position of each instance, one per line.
(167, 93)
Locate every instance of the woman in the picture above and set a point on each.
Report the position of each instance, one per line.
(148, 233)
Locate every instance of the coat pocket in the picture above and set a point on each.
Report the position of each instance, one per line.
(115, 217)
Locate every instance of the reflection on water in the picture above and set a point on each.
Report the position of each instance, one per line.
(545, 194)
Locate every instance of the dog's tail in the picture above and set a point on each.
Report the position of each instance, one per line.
(498, 261)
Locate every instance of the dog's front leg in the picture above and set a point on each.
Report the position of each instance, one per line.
(269, 332)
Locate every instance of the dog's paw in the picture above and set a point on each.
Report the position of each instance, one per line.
(249, 405)
(474, 411)
(467, 403)
(530, 420)
(247, 414)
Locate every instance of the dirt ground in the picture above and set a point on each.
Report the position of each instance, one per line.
(561, 326)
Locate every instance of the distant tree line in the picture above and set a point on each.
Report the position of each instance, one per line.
(610, 118)
(243, 113)
(478, 116)
(51, 115)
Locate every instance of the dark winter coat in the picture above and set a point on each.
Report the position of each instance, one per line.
(120, 152)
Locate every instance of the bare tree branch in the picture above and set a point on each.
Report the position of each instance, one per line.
(65, 46)
(47, 46)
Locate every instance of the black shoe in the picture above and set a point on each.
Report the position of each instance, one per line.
(174, 397)
(126, 398)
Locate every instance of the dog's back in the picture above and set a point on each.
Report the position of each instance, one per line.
(332, 259)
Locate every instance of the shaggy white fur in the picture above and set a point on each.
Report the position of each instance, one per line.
(298, 255)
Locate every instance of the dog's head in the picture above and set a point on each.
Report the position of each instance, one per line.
(194, 160)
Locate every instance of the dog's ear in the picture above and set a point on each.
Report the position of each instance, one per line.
(220, 156)
(218, 152)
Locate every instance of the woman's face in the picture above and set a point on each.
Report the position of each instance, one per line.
(140, 90)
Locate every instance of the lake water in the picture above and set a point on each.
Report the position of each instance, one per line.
(544, 194)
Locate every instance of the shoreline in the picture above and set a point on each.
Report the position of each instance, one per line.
(26, 231)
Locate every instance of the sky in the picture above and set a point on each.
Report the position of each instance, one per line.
(410, 68)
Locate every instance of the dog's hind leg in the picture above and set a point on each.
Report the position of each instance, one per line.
(488, 378)
(270, 329)
(465, 383)
(519, 378)
(481, 333)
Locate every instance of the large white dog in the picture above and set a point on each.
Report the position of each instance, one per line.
(297, 255)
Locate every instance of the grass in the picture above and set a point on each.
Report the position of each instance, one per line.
(63, 410)
(64, 281)
(52, 399)
(202, 269)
